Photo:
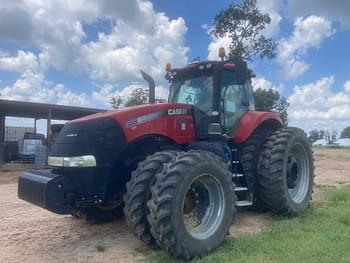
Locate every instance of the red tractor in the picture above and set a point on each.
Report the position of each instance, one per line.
(179, 169)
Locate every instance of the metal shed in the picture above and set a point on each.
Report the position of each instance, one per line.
(38, 111)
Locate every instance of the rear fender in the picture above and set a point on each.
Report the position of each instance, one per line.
(253, 120)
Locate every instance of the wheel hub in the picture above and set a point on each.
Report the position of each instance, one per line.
(203, 206)
(292, 174)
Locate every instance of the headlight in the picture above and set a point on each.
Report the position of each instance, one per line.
(77, 161)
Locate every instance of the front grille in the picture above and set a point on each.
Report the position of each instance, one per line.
(102, 138)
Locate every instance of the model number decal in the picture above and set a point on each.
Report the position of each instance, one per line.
(180, 111)
(145, 118)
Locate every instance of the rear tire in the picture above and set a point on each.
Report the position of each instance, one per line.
(250, 157)
(138, 193)
(287, 172)
(184, 219)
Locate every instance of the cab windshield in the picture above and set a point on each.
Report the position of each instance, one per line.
(197, 91)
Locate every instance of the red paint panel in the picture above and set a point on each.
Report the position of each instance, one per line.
(229, 66)
(178, 127)
(250, 121)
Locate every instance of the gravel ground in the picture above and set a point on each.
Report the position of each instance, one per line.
(31, 234)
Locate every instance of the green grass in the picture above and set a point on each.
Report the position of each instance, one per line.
(320, 234)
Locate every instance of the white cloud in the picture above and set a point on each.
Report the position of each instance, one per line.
(273, 8)
(26, 88)
(317, 106)
(61, 95)
(135, 37)
(309, 32)
(32, 86)
(15, 22)
(262, 83)
(336, 10)
(347, 87)
(119, 56)
(138, 37)
(104, 95)
(20, 63)
(215, 44)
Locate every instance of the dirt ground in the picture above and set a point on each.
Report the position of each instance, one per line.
(332, 166)
(31, 234)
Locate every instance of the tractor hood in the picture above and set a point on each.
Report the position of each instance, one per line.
(105, 136)
(172, 120)
(141, 111)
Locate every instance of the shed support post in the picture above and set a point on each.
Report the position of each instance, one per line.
(48, 129)
(2, 138)
(35, 125)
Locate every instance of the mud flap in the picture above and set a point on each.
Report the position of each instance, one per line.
(50, 191)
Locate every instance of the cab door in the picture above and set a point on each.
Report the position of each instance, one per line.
(234, 101)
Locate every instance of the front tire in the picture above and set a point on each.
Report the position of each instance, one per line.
(192, 205)
(287, 172)
(138, 192)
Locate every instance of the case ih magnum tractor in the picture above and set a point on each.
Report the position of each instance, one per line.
(179, 169)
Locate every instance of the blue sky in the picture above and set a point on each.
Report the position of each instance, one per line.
(83, 52)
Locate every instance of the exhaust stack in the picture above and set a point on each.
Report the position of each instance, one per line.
(151, 87)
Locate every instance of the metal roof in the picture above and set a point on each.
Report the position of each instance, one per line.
(41, 110)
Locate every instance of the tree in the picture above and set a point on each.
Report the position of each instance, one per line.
(315, 135)
(271, 100)
(138, 96)
(116, 102)
(331, 137)
(281, 107)
(244, 24)
(345, 133)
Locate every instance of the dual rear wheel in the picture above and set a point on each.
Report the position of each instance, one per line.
(286, 176)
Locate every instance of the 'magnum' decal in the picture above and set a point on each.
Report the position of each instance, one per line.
(145, 118)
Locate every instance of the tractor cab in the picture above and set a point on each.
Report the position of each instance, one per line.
(220, 93)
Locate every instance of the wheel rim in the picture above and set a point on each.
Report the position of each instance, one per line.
(203, 206)
(298, 173)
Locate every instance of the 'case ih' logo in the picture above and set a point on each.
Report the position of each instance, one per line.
(177, 111)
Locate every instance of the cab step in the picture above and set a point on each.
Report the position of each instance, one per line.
(244, 203)
(241, 188)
